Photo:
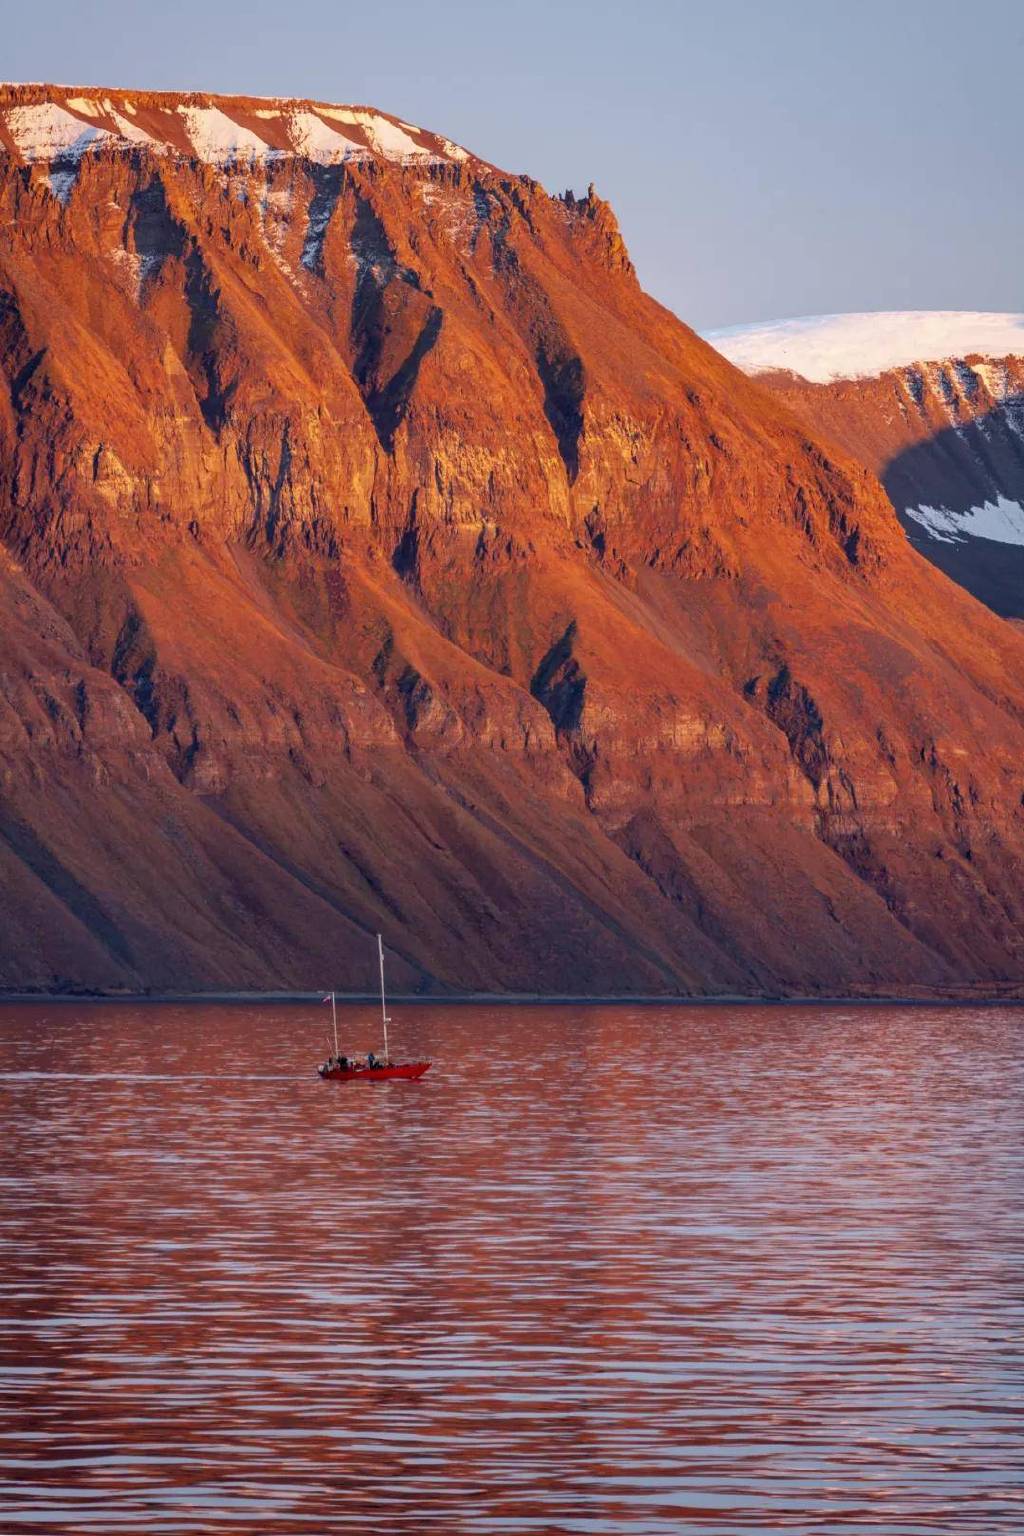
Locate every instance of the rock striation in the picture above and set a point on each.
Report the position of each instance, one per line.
(375, 554)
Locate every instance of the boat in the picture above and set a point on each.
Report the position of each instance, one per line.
(371, 1069)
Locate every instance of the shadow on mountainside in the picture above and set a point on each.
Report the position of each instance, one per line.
(957, 469)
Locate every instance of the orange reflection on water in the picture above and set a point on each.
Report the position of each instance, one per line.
(609, 1269)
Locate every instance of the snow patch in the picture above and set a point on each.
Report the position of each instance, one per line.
(386, 137)
(47, 132)
(1001, 520)
(82, 104)
(312, 138)
(313, 245)
(390, 140)
(61, 183)
(943, 386)
(821, 348)
(218, 140)
(276, 208)
(995, 378)
(320, 210)
(132, 132)
(967, 379)
(914, 385)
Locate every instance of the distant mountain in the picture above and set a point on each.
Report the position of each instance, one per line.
(933, 403)
(376, 555)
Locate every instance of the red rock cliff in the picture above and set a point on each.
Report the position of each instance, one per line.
(375, 554)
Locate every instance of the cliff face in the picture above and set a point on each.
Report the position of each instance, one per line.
(945, 437)
(375, 554)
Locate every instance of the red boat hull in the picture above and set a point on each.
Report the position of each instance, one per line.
(405, 1069)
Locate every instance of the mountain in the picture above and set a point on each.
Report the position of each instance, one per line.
(375, 554)
(933, 403)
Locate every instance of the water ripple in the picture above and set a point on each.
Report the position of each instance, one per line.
(604, 1270)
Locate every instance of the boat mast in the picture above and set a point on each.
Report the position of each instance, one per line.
(383, 1009)
(334, 1021)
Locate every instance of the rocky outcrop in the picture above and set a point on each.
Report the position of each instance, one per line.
(376, 555)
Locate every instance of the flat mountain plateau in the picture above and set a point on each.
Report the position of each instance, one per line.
(375, 554)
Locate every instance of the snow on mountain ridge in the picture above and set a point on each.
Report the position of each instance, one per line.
(44, 123)
(821, 348)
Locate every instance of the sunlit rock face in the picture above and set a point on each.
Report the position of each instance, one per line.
(377, 556)
(932, 402)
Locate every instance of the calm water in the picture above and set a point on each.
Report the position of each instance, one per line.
(603, 1270)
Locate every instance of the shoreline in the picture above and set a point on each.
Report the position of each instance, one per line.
(986, 999)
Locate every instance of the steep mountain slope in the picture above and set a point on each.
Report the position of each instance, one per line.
(377, 555)
(933, 403)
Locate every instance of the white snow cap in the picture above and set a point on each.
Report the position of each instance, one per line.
(825, 347)
(218, 129)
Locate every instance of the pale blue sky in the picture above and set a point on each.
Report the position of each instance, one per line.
(764, 159)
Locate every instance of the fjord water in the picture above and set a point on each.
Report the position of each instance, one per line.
(605, 1269)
